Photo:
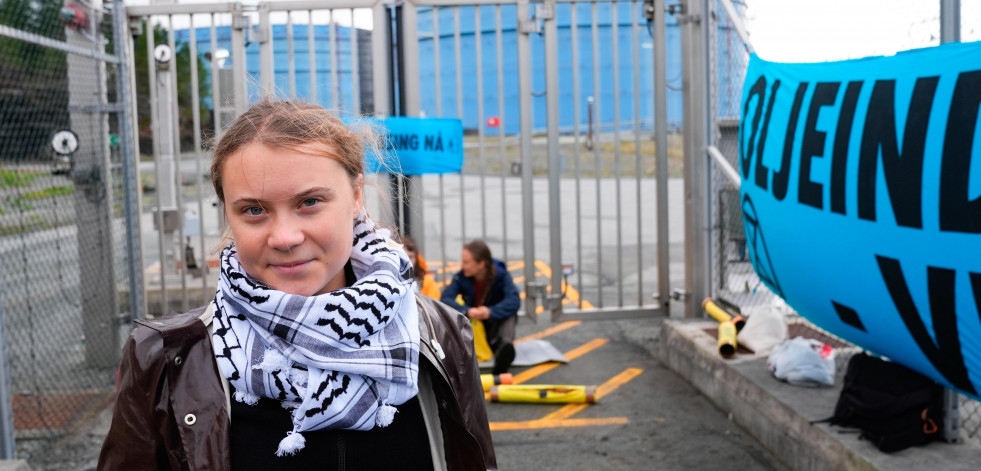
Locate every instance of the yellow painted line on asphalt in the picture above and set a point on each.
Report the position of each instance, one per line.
(569, 410)
(540, 423)
(561, 417)
(577, 352)
(549, 331)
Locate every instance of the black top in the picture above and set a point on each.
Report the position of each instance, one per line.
(257, 430)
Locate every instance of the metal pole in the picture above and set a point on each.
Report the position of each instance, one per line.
(7, 449)
(409, 45)
(950, 32)
(130, 155)
(950, 21)
(527, 190)
(576, 96)
(267, 71)
(240, 23)
(694, 52)
(547, 12)
(380, 64)
(661, 138)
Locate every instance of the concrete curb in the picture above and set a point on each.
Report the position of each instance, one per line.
(14, 465)
(779, 415)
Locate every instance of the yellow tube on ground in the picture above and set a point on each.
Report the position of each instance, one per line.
(727, 339)
(488, 380)
(543, 393)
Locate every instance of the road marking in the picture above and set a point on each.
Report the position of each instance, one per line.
(577, 352)
(549, 331)
(561, 417)
(540, 423)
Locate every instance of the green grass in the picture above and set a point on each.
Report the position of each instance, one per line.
(14, 178)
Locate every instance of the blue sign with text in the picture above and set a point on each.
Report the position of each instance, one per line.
(417, 146)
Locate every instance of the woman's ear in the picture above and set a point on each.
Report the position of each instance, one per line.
(358, 195)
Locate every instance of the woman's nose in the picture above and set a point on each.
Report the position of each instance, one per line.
(285, 233)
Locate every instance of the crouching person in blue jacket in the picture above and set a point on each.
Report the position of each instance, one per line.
(490, 296)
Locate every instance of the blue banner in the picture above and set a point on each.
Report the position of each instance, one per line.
(861, 199)
(417, 146)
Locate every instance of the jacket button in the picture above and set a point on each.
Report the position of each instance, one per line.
(178, 360)
(190, 419)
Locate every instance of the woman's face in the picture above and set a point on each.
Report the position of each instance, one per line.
(469, 265)
(291, 215)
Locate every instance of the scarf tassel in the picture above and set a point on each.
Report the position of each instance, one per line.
(293, 443)
(385, 415)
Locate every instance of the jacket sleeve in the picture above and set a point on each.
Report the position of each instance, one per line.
(134, 440)
(448, 296)
(510, 302)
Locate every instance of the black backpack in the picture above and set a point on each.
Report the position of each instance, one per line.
(893, 406)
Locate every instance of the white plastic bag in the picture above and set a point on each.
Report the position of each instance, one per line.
(803, 362)
(764, 329)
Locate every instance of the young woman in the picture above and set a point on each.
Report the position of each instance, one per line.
(315, 352)
(489, 295)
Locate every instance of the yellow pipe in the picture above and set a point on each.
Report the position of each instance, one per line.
(727, 339)
(543, 393)
(488, 380)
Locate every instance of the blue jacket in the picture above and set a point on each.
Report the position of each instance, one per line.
(503, 299)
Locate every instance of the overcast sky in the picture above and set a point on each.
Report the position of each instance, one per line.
(821, 30)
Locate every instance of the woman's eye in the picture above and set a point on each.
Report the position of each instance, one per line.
(253, 211)
(309, 202)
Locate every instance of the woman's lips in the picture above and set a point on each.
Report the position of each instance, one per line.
(291, 269)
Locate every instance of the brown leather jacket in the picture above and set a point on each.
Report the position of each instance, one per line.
(171, 407)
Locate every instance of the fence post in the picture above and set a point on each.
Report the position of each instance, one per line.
(129, 150)
(7, 450)
(661, 138)
(694, 42)
(950, 21)
(93, 198)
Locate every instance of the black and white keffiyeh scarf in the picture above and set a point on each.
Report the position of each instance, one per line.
(338, 360)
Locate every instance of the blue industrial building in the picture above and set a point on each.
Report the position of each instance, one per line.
(623, 30)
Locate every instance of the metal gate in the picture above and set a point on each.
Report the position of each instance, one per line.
(66, 261)
(560, 174)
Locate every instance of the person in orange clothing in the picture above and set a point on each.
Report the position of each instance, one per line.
(424, 281)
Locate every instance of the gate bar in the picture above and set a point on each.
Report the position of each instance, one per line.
(199, 155)
(14, 33)
(661, 152)
(554, 194)
(527, 190)
(635, 49)
(615, 39)
(479, 54)
(576, 100)
(596, 151)
(501, 133)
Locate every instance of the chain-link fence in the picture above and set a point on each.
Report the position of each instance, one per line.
(65, 278)
(734, 277)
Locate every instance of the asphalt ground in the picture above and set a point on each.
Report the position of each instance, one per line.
(646, 416)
